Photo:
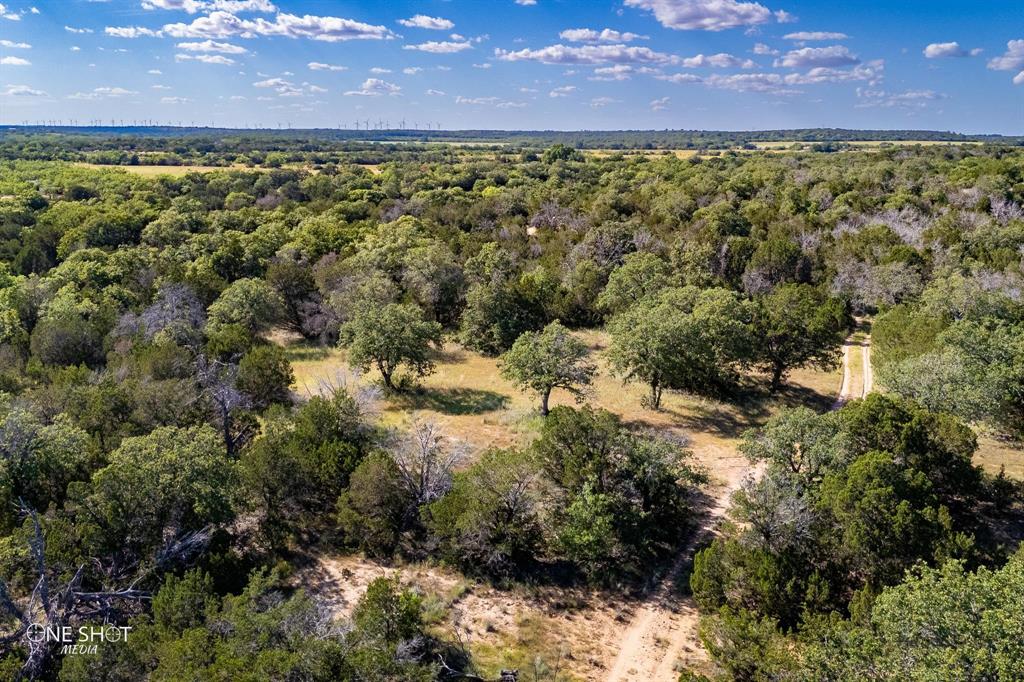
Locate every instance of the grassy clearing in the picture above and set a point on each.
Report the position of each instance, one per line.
(468, 397)
(154, 171)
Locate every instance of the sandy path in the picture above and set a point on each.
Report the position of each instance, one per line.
(664, 630)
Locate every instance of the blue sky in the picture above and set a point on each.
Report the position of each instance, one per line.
(518, 64)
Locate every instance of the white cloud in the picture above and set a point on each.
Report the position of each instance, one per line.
(132, 32)
(160, 87)
(811, 57)
(599, 102)
(174, 100)
(423, 21)
(751, 82)
(660, 104)
(14, 61)
(526, 3)
(329, 29)
(618, 72)
(706, 15)
(588, 54)
(1011, 60)
(155, 72)
(72, 29)
(320, 66)
(761, 48)
(809, 36)
(589, 35)
(103, 92)
(563, 91)
(212, 46)
(13, 45)
(22, 91)
(722, 60)
(75, 48)
(6, 13)
(193, 6)
(871, 72)
(484, 65)
(205, 59)
(496, 102)
(679, 78)
(909, 99)
(440, 47)
(375, 87)
(412, 70)
(285, 88)
(435, 93)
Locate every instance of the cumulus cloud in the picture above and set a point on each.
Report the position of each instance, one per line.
(14, 61)
(751, 82)
(174, 100)
(375, 87)
(193, 6)
(103, 92)
(72, 29)
(155, 72)
(722, 60)
(205, 59)
(286, 88)
(212, 46)
(132, 32)
(15, 46)
(320, 66)
(660, 104)
(22, 91)
(811, 57)
(8, 14)
(221, 24)
(908, 99)
(496, 102)
(707, 15)
(440, 47)
(432, 23)
(563, 91)
(412, 70)
(679, 78)
(526, 3)
(810, 36)
(607, 35)
(620, 72)
(1011, 60)
(599, 102)
(588, 54)
(761, 48)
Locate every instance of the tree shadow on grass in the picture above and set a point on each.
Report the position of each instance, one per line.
(452, 401)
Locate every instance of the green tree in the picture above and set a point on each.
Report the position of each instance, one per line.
(251, 303)
(170, 481)
(546, 360)
(389, 338)
(796, 325)
(640, 275)
(266, 376)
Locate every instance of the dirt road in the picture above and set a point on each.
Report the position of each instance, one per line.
(664, 629)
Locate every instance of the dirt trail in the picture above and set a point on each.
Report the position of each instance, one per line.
(663, 631)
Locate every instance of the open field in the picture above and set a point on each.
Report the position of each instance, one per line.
(154, 171)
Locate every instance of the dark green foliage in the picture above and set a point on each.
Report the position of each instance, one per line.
(266, 376)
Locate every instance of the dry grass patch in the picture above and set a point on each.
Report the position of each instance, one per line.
(994, 454)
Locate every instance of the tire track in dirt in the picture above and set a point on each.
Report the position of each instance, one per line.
(664, 628)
